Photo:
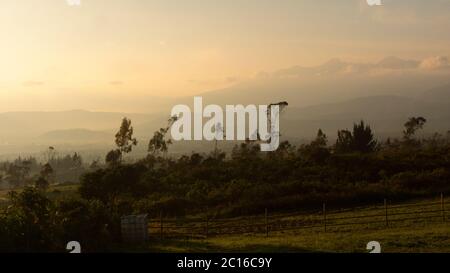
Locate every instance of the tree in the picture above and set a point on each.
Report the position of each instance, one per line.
(281, 106)
(412, 126)
(18, 172)
(321, 139)
(31, 211)
(124, 137)
(107, 185)
(94, 164)
(50, 154)
(317, 151)
(124, 141)
(360, 140)
(363, 138)
(46, 171)
(219, 130)
(113, 157)
(158, 143)
(41, 183)
(344, 141)
(77, 160)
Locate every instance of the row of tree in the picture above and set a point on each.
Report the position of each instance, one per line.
(356, 169)
(28, 171)
(355, 166)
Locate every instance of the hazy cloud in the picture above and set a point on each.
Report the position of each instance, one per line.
(386, 65)
(397, 63)
(435, 63)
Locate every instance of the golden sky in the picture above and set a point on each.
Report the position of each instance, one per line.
(50, 51)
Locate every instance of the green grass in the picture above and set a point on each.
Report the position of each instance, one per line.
(425, 238)
(414, 234)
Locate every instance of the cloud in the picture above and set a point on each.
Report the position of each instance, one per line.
(397, 63)
(33, 83)
(386, 65)
(333, 66)
(435, 63)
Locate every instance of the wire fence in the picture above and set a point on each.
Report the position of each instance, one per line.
(382, 216)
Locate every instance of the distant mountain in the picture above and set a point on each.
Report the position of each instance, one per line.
(331, 82)
(386, 115)
(33, 124)
(330, 96)
(439, 95)
(371, 108)
(76, 136)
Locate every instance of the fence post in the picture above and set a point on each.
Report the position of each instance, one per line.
(161, 224)
(386, 212)
(206, 224)
(267, 223)
(442, 207)
(324, 209)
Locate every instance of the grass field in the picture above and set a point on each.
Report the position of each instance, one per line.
(413, 227)
(424, 238)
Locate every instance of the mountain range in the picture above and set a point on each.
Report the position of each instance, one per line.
(331, 96)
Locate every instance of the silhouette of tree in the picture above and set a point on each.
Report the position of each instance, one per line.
(158, 143)
(50, 153)
(321, 139)
(344, 141)
(77, 160)
(94, 164)
(113, 157)
(46, 171)
(41, 183)
(18, 172)
(412, 126)
(219, 130)
(317, 150)
(124, 141)
(360, 140)
(363, 138)
(124, 137)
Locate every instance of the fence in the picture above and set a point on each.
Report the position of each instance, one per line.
(382, 216)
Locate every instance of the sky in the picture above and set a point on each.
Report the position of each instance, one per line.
(55, 56)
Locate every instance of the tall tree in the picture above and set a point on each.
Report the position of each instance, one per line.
(363, 138)
(124, 141)
(46, 171)
(344, 141)
(412, 126)
(158, 143)
(124, 137)
(321, 139)
(317, 151)
(360, 140)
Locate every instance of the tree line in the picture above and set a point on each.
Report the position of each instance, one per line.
(355, 169)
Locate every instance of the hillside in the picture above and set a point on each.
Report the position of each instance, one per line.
(75, 136)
